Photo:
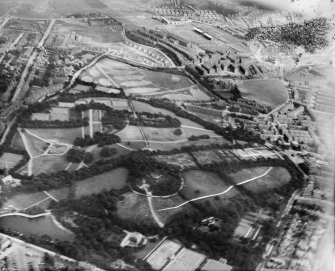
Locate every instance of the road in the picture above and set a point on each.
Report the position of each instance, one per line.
(46, 34)
(218, 194)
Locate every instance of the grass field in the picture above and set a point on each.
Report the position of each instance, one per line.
(21, 201)
(17, 142)
(277, 177)
(49, 164)
(35, 145)
(200, 183)
(9, 160)
(268, 91)
(115, 179)
(60, 135)
(161, 203)
(144, 82)
(135, 208)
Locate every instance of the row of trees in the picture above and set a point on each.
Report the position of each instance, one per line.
(98, 138)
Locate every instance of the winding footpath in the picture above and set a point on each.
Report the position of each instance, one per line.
(218, 194)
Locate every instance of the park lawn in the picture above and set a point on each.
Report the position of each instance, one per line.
(161, 203)
(276, 178)
(17, 142)
(162, 134)
(270, 92)
(130, 133)
(22, 201)
(247, 173)
(35, 145)
(10, 160)
(135, 208)
(63, 135)
(49, 164)
(114, 179)
(200, 183)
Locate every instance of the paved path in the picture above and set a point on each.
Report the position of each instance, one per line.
(218, 194)
(153, 212)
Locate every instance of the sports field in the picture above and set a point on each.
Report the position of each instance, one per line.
(269, 92)
(163, 254)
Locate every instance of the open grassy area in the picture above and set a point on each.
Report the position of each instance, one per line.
(49, 164)
(35, 145)
(17, 142)
(21, 201)
(9, 160)
(115, 179)
(60, 135)
(161, 203)
(277, 177)
(144, 82)
(200, 183)
(268, 91)
(135, 208)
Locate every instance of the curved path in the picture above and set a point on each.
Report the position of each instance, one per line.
(218, 194)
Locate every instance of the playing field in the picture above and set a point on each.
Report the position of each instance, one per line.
(9, 160)
(163, 254)
(270, 92)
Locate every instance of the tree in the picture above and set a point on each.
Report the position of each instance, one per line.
(178, 132)
(107, 152)
(88, 157)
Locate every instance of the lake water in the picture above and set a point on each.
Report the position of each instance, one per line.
(39, 226)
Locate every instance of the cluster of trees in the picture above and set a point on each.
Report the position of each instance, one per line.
(98, 138)
(311, 34)
(199, 137)
(53, 124)
(107, 152)
(155, 120)
(78, 155)
(141, 167)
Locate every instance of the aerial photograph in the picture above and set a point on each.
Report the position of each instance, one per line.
(167, 135)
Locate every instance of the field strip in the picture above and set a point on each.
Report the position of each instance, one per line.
(196, 128)
(218, 194)
(106, 75)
